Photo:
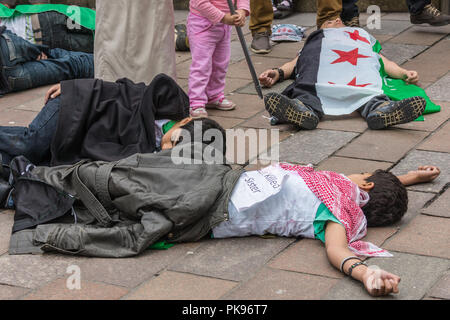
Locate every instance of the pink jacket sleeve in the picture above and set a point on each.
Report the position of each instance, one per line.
(245, 5)
(208, 10)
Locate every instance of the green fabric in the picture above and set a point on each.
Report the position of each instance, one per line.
(85, 18)
(169, 125)
(398, 89)
(161, 246)
(323, 215)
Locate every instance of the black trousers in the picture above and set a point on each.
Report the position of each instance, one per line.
(416, 6)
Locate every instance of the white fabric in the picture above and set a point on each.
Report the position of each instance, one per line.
(21, 26)
(134, 40)
(270, 201)
(333, 87)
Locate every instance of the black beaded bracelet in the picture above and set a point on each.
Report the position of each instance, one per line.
(280, 73)
(350, 270)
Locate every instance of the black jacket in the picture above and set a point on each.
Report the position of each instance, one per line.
(109, 121)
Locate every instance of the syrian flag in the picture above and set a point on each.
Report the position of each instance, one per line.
(339, 70)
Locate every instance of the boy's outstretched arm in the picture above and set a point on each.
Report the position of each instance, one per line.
(394, 71)
(423, 174)
(380, 283)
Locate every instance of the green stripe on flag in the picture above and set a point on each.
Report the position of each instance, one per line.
(81, 15)
(398, 89)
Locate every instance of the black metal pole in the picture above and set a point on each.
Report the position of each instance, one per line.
(246, 53)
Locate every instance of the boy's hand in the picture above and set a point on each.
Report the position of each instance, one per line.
(426, 174)
(411, 77)
(380, 283)
(53, 92)
(268, 78)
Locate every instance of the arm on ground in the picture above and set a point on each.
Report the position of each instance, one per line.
(270, 77)
(423, 174)
(393, 70)
(377, 283)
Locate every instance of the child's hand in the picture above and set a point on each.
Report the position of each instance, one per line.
(426, 174)
(240, 20)
(411, 77)
(229, 19)
(380, 283)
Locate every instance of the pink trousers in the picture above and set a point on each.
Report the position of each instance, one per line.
(210, 50)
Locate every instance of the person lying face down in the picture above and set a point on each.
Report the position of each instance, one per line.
(35, 141)
(337, 73)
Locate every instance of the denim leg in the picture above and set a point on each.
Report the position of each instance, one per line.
(15, 50)
(374, 103)
(33, 141)
(56, 33)
(61, 65)
(349, 10)
(416, 6)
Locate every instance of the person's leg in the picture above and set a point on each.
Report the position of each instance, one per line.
(61, 65)
(350, 13)
(422, 11)
(56, 34)
(328, 10)
(33, 141)
(203, 44)
(292, 111)
(381, 112)
(261, 18)
(215, 90)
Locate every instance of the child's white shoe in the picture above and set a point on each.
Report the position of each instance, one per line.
(198, 113)
(223, 104)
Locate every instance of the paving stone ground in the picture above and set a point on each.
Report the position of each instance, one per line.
(256, 268)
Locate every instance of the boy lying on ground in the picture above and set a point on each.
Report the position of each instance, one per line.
(128, 205)
(99, 120)
(338, 72)
(24, 65)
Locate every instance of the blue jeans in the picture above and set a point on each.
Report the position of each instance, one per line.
(33, 141)
(21, 71)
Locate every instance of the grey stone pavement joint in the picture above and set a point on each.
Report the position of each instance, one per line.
(256, 268)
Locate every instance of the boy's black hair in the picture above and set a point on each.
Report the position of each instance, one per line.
(388, 200)
(206, 124)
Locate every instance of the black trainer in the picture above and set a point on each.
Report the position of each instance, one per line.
(396, 112)
(430, 15)
(291, 111)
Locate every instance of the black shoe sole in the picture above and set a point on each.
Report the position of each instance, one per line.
(406, 111)
(287, 110)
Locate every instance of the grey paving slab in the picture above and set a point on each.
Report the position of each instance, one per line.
(312, 147)
(442, 289)
(401, 53)
(6, 224)
(391, 27)
(131, 272)
(418, 158)
(420, 35)
(231, 259)
(440, 206)
(439, 141)
(351, 166)
(272, 284)
(181, 286)
(439, 90)
(180, 16)
(417, 201)
(278, 88)
(32, 271)
(353, 122)
(418, 274)
(383, 145)
(11, 293)
(424, 235)
(304, 19)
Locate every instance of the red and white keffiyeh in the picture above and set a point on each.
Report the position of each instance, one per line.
(342, 198)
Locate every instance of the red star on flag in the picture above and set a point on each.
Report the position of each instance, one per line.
(355, 36)
(353, 83)
(350, 56)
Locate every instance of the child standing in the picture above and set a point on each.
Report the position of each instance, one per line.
(209, 31)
